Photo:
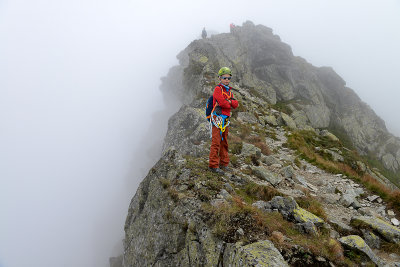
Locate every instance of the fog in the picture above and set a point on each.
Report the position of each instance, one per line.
(79, 90)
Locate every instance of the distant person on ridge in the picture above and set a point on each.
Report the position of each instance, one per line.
(204, 33)
(223, 101)
(231, 27)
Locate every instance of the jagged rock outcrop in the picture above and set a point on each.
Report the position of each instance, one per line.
(268, 210)
(267, 69)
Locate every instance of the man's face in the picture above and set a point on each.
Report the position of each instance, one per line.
(225, 79)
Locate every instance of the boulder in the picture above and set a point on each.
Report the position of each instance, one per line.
(262, 205)
(342, 228)
(302, 216)
(247, 117)
(300, 180)
(287, 204)
(288, 207)
(262, 253)
(387, 231)
(355, 242)
(371, 239)
(361, 166)
(300, 118)
(288, 121)
(330, 135)
(372, 198)
(271, 120)
(307, 228)
(249, 150)
(330, 198)
(288, 171)
(266, 175)
(347, 199)
(269, 160)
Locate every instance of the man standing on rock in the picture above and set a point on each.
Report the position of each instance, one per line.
(204, 33)
(223, 101)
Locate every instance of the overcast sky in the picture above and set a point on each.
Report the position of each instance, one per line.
(78, 84)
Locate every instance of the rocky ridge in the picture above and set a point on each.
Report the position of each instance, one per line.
(280, 204)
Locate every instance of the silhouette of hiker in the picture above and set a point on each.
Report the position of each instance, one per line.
(204, 33)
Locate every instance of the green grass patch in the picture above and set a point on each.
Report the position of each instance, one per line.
(312, 205)
(252, 192)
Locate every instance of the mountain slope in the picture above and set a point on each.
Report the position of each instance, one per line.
(296, 195)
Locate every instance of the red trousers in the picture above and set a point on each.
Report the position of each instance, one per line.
(219, 148)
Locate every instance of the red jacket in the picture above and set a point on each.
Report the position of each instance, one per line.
(222, 96)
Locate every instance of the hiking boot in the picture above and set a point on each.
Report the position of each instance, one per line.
(225, 168)
(217, 170)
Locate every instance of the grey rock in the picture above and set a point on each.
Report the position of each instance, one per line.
(266, 175)
(372, 198)
(249, 150)
(372, 240)
(301, 120)
(262, 205)
(390, 213)
(240, 231)
(276, 166)
(357, 243)
(395, 222)
(342, 228)
(330, 198)
(361, 166)
(365, 211)
(269, 160)
(390, 162)
(300, 180)
(271, 120)
(288, 207)
(347, 199)
(310, 228)
(247, 117)
(333, 234)
(288, 171)
(386, 230)
(356, 204)
(261, 253)
(283, 203)
(225, 194)
(228, 187)
(288, 121)
(330, 135)
(331, 189)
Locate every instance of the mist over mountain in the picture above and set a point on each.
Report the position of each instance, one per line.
(80, 100)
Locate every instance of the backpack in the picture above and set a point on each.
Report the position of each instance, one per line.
(209, 107)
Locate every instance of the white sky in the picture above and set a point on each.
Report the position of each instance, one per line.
(79, 82)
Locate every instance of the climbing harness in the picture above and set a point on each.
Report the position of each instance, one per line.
(215, 117)
(219, 121)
